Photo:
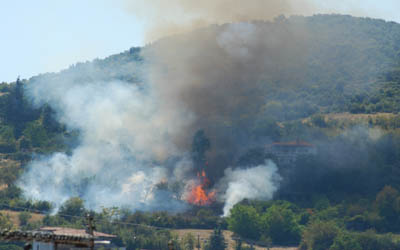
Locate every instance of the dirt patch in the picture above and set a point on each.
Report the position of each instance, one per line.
(14, 216)
(205, 234)
(353, 118)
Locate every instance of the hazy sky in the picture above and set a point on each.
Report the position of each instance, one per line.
(48, 35)
(37, 36)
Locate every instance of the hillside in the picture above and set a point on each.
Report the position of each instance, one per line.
(348, 64)
(335, 64)
(128, 135)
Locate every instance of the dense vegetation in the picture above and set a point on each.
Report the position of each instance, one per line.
(347, 225)
(345, 102)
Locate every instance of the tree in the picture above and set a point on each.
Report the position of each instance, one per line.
(319, 236)
(345, 241)
(280, 224)
(188, 242)
(200, 145)
(388, 205)
(216, 241)
(25, 143)
(245, 221)
(369, 240)
(24, 218)
(18, 111)
(36, 133)
(49, 123)
(72, 207)
(318, 120)
(5, 222)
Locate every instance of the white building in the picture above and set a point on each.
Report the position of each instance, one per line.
(287, 152)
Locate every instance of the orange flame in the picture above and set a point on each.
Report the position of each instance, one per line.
(198, 194)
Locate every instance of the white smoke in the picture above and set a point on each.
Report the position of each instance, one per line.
(237, 39)
(260, 182)
(129, 132)
(121, 134)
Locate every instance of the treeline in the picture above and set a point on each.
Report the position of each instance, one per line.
(360, 224)
(349, 225)
(135, 230)
(25, 129)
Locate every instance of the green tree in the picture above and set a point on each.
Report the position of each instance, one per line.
(245, 221)
(36, 133)
(72, 207)
(49, 123)
(25, 143)
(319, 236)
(318, 120)
(388, 205)
(5, 222)
(345, 241)
(216, 241)
(9, 174)
(188, 242)
(24, 218)
(280, 224)
(369, 240)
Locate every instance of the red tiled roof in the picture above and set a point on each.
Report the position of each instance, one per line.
(75, 232)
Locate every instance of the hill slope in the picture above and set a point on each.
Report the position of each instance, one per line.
(258, 80)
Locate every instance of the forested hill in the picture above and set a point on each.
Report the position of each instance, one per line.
(351, 64)
(348, 64)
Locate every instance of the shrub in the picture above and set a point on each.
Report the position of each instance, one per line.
(24, 218)
(345, 241)
(371, 241)
(319, 235)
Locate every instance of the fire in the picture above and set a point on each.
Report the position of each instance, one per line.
(198, 194)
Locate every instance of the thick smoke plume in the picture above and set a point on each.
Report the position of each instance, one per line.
(220, 76)
(208, 79)
(212, 79)
(260, 182)
(166, 17)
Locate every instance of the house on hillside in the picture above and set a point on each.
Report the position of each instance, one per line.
(60, 238)
(287, 152)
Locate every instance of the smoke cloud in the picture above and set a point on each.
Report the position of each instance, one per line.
(164, 18)
(121, 137)
(260, 182)
(169, 17)
(208, 79)
(221, 77)
(212, 79)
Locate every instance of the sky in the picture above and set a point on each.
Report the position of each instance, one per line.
(50, 35)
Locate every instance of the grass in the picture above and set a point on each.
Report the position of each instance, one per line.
(14, 217)
(228, 235)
